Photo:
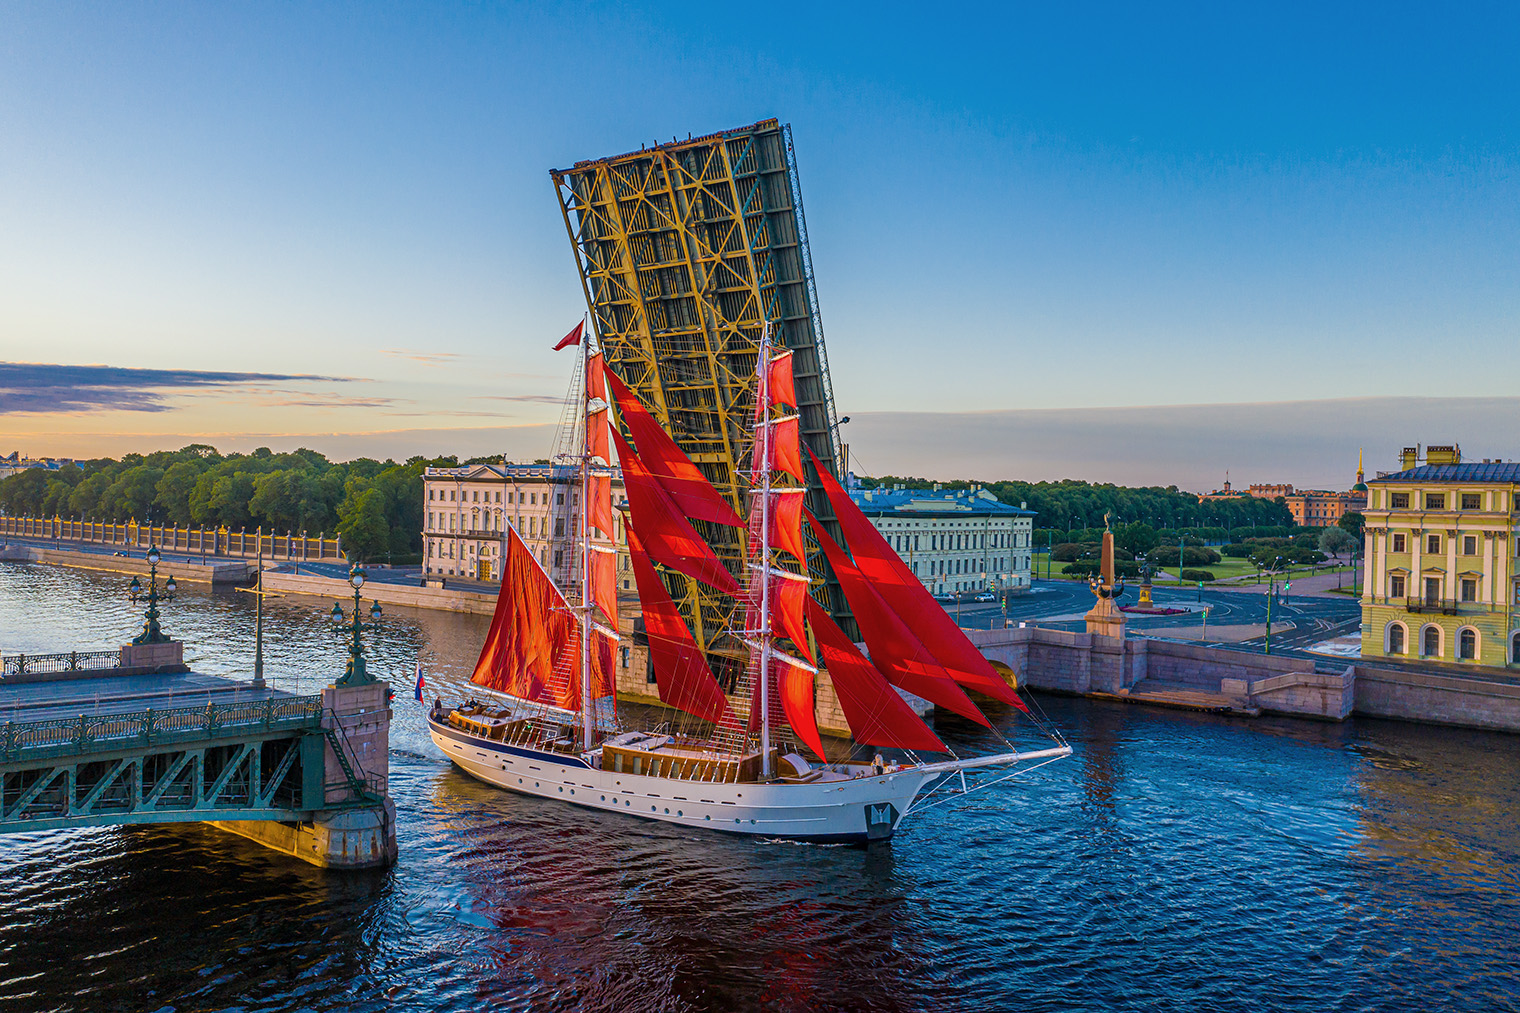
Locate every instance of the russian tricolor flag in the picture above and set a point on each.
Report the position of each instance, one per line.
(419, 682)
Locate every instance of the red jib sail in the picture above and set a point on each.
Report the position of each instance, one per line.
(681, 672)
(907, 596)
(877, 716)
(532, 650)
(682, 480)
(669, 536)
(899, 654)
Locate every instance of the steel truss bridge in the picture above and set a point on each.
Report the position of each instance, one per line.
(686, 251)
(250, 760)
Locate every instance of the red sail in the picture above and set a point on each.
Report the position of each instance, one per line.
(600, 514)
(786, 522)
(894, 649)
(692, 493)
(782, 389)
(794, 684)
(670, 537)
(907, 596)
(789, 594)
(681, 672)
(876, 714)
(532, 650)
(596, 379)
(604, 581)
(783, 442)
(603, 649)
(596, 434)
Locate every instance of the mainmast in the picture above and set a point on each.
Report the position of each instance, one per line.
(763, 393)
(585, 523)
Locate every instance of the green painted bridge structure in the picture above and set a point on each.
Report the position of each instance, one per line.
(90, 739)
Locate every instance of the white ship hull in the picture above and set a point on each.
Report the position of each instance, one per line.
(856, 809)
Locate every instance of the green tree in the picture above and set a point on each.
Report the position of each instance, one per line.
(1336, 540)
(1352, 522)
(1136, 538)
(362, 523)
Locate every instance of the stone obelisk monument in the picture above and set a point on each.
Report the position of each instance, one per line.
(1105, 617)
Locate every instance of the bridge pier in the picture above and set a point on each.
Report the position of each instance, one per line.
(355, 719)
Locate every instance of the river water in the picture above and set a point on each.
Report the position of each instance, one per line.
(1176, 861)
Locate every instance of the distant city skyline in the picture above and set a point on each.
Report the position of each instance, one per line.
(334, 227)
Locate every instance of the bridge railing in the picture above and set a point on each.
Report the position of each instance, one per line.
(49, 664)
(23, 740)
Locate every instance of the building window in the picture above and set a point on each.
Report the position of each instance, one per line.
(559, 526)
(1432, 647)
(498, 496)
(1433, 544)
(1400, 542)
(1395, 639)
(1469, 589)
(431, 492)
(1396, 586)
(1399, 500)
(559, 559)
(1435, 501)
(1472, 501)
(1467, 644)
(476, 496)
(559, 499)
(1432, 590)
(1469, 545)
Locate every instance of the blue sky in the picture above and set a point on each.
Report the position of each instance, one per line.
(1011, 208)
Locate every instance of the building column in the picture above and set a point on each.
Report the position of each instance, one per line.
(1416, 577)
(1453, 582)
(1375, 563)
(1486, 586)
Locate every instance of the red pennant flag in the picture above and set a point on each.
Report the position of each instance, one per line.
(573, 338)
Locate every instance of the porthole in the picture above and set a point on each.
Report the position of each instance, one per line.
(680, 813)
(652, 808)
(707, 817)
(519, 780)
(604, 798)
(562, 791)
(667, 812)
(738, 820)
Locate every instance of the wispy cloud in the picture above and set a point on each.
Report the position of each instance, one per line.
(62, 389)
(534, 398)
(426, 358)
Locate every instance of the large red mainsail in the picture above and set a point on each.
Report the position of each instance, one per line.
(533, 648)
(681, 672)
(900, 655)
(876, 714)
(682, 480)
(907, 596)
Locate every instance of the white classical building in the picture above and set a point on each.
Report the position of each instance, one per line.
(466, 511)
(954, 539)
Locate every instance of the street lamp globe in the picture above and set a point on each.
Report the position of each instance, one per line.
(171, 586)
(337, 613)
(356, 576)
(153, 555)
(134, 589)
(374, 611)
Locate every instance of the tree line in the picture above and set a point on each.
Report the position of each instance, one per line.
(376, 506)
(1070, 506)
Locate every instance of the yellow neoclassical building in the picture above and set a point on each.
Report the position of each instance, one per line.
(1440, 568)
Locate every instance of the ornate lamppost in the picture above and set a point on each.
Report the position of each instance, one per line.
(151, 634)
(355, 675)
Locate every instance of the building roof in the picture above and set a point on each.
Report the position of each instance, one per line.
(1476, 471)
(933, 503)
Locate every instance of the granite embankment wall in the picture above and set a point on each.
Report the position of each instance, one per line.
(1461, 700)
(221, 572)
(412, 595)
(1088, 663)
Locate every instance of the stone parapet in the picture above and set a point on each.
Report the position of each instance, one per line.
(1463, 701)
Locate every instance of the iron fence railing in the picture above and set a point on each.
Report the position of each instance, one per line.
(20, 740)
(1444, 606)
(49, 664)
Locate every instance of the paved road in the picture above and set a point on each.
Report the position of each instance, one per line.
(1060, 604)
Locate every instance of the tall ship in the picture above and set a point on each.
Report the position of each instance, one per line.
(742, 752)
